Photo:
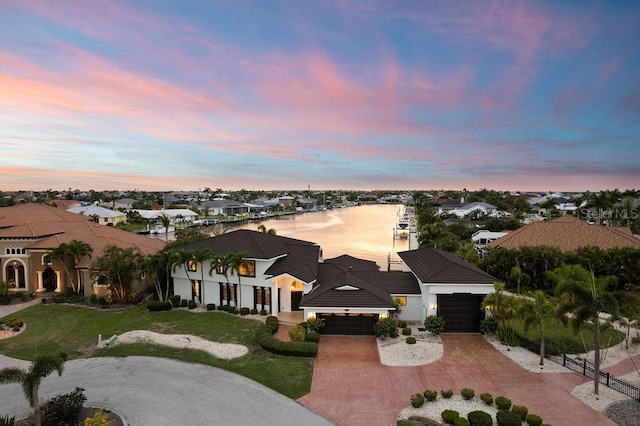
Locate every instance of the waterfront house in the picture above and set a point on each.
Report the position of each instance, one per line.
(289, 275)
(29, 231)
(99, 214)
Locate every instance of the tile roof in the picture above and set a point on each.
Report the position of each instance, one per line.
(567, 233)
(431, 265)
(294, 257)
(52, 227)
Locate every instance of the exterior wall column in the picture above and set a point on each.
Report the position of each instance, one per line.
(40, 282)
(58, 282)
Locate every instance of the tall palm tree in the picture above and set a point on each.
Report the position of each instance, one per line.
(468, 252)
(537, 310)
(69, 255)
(222, 265)
(119, 266)
(516, 275)
(238, 261)
(41, 367)
(182, 258)
(588, 299)
(200, 256)
(154, 267)
(264, 230)
(503, 307)
(166, 221)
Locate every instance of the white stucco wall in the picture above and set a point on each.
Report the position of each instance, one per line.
(412, 311)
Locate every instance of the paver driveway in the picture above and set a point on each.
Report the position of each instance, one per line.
(351, 387)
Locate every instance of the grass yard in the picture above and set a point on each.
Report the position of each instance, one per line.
(75, 330)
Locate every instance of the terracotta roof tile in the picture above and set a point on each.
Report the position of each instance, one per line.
(567, 233)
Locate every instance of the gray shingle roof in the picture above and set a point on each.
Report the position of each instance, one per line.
(431, 265)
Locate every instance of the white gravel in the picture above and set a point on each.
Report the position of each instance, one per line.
(185, 341)
(434, 409)
(397, 353)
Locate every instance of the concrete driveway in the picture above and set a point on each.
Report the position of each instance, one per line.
(157, 391)
(351, 387)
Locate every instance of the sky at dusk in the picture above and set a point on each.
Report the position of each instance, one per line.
(183, 95)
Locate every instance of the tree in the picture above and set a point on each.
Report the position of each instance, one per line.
(154, 267)
(503, 307)
(41, 367)
(588, 299)
(166, 221)
(222, 265)
(201, 256)
(516, 275)
(264, 230)
(69, 255)
(468, 252)
(237, 263)
(536, 310)
(119, 268)
(186, 257)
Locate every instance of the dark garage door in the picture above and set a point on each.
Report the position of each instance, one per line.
(352, 324)
(461, 312)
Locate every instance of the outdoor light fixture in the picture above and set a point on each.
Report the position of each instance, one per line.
(434, 306)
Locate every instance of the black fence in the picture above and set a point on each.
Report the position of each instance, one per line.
(586, 368)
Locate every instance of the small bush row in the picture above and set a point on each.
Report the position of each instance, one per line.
(265, 339)
(156, 305)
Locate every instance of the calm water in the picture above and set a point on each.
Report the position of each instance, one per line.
(365, 231)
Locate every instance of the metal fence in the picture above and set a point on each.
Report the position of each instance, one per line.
(587, 369)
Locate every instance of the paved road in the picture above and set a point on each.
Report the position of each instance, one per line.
(157, 391)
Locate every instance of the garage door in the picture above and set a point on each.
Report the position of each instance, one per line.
(352, 324)
(461, 312)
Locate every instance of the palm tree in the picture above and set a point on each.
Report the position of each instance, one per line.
(238, 261)
(264, 230)
(468, 252)
(501, 306)
(536, 310)
(200, 256)
(41, 367)
(222, 265)
(119, 266)
(166, 221)
(516, 275)
(152, 266)
(588, 299)
(68, 254)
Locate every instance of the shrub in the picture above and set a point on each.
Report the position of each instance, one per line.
(156, 305)
(385, 327)
(100, 418)
(183, 303)
(244, 311)
(520, 410)
(487, 398)
(63, 409)
(315, 324)
(410, 340)
(489, 325)
(446, 393)
(12, 322)
(191, 304)
(254, 311)
(417, 400)
(233, 310)
(312, 336)
(503, 403)
(273, 323)
(406, 331)
(211, 306)
(430, 395)
(269, 343)
(508, 418)
(93, 299)
(467, 393)
(461, 421)
(434, 324)
(263, 312)
(534, 420)
(175, 299)
(402, 324)
(449, 416)
(296, 333)
(221, 307)
(479, 418)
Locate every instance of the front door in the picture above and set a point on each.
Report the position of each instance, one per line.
(296, 296)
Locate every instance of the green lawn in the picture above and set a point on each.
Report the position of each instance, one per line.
(75, 330)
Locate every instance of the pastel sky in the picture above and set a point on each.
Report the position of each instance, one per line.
(265, 94)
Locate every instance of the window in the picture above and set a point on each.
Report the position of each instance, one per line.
(401, 300)
(192, 265)
(248, 270)
(219, 267)
(267, 296)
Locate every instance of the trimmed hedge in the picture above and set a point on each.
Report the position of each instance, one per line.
(406, 331)
(461, 421)
(417, 400)
(487, 398)
(269, 343)
(480, 418)
(191, 304)
(183, 303)
(467, 393)
(211, 306)
(244, 311)
(520, 410)
(411, 340)
(534, 420)
(312, 336)
(254, 311)
(446, 393)
(402, 324)
(430, 395)
(503, 403)
(273, 323)
(449, 416)
(508, 418)
(156, 305)
(175, 300)
(297, 333)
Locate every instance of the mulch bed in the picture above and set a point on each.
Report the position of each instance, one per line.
(86, 413)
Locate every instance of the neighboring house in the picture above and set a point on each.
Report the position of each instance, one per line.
(480, 208)
(29, 231)
(124, 203)
(450, 287)
(483, 237)
(350, 294)
(225, 207)
(176, 215)
(100, 214)
(567, 233)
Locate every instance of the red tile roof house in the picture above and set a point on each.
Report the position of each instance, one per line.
(29, 231)
(350, 294)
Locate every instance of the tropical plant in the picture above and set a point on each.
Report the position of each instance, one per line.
(500, 306)
(200, 256)
(468, 252)
(516, 274)
(238, 262)
(166, 221)
(41, 367)
(118, 267)
(264, 230)
(537, 310)
(588, 299)
(69, 256)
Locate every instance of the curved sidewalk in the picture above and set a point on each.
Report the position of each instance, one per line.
(351, 387)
